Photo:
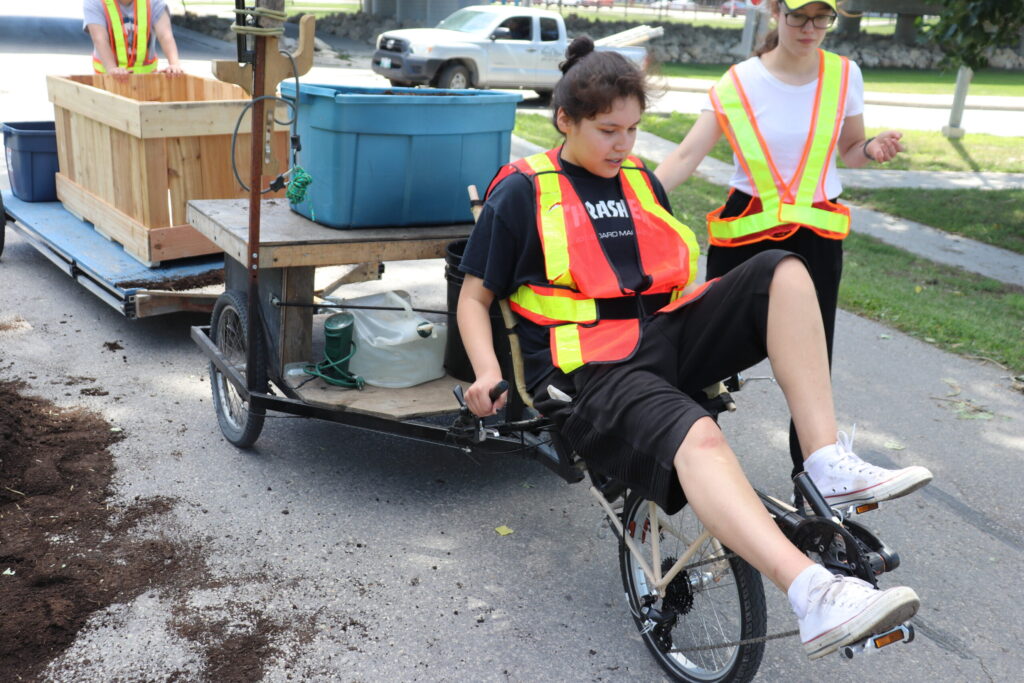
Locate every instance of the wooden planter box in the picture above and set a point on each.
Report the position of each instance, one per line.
(132, 154)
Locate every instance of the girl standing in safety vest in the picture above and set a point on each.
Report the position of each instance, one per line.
(616, 337)
(124, 35)
(787, 112)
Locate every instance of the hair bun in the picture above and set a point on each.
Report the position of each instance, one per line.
(580, 47)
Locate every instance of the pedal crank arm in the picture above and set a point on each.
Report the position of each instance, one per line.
(904, 633)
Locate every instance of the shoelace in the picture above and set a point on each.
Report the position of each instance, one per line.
(835, 590)
(849, 460)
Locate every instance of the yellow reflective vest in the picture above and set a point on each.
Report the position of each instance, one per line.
(581, 302)
(130, 55)
(783, 206)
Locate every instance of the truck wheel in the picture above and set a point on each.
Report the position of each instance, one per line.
(543, 96)
(454, 77)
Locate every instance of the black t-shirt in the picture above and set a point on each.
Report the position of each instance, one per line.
(505, 250)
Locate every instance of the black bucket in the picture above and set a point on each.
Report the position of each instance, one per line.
(456, 362)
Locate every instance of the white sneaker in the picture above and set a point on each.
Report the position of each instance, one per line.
(844, 610)
(849, 480)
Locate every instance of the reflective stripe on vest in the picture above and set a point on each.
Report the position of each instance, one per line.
(579, 273)
(128, 55)
(788, 204)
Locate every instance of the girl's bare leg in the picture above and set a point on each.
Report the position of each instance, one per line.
(727, 505)
(796, 349)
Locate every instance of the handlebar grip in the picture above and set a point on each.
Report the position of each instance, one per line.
(497, 390)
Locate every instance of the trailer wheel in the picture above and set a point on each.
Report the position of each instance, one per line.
(229, 331)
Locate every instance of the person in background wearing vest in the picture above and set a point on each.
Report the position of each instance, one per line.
(786, 112)
(616, 337)
(124, 35)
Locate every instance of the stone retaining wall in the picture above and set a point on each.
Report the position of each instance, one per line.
(681, 43)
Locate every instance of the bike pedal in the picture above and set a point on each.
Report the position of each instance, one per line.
(859, 509)
(904, 633)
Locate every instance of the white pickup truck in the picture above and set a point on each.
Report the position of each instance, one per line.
(483, 46)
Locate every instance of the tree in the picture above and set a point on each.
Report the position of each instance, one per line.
(968, 28)
(965, 31)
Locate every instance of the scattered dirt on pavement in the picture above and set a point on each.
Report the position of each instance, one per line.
(67, 550)
(182, 284)
(112, 346)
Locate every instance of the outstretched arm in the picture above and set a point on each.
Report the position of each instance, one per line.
(475, 327)
(856, 151)
(101, 43)
(684, 159)
(165, 37)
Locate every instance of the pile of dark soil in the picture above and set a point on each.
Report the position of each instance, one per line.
(67, 550)
(64, 553)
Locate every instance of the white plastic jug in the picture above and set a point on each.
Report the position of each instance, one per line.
(396, 349)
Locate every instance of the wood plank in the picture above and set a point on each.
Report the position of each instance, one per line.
(96, 156)
(215, 166)
(231, 243)
(154, 183)
(352, 252)
(430, 398)
(150, 303)
(288, 239)
(184, 175)
(129, 196)
(107, 220)
(217, 117)
(295, 330)
(178, 241)
(65, 149)
(121, 113)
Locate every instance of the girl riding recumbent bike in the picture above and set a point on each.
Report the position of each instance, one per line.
(700, 608)
(617, 338)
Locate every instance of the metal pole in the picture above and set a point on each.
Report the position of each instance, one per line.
(956, 114)
(255, 183)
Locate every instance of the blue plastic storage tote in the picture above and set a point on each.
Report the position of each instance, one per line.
(31, 150)
(398, 156)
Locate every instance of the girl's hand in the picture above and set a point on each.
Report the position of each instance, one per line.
(119, 73)
(885, 146)
(478, 399)
(173, 70)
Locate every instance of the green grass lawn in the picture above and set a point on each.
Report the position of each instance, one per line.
(958, 311)
(926, 150)
(961, 312)
(986, 82)
(995, 217)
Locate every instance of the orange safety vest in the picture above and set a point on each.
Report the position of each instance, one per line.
(130, 55)
(581, 281)
(784, 207)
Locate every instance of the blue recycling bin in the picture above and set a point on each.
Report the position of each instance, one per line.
(398, 156)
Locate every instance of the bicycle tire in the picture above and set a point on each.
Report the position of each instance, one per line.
(716, 603)
(229, 331)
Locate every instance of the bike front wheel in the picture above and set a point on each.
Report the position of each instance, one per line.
(692, 626)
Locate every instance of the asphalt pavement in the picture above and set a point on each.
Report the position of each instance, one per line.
(379, 557)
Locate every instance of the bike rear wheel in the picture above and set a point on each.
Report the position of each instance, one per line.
(702, 608)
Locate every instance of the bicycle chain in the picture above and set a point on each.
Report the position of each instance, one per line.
(738, 643)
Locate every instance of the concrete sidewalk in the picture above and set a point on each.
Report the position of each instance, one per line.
(927, 242)
(926, 101)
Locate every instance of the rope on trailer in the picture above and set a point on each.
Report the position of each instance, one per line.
(257, 12)
(298, 185)
(341, 377)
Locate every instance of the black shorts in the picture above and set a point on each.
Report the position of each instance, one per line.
(627, 419)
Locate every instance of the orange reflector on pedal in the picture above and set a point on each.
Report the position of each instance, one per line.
(867, 507)
(889, 638)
